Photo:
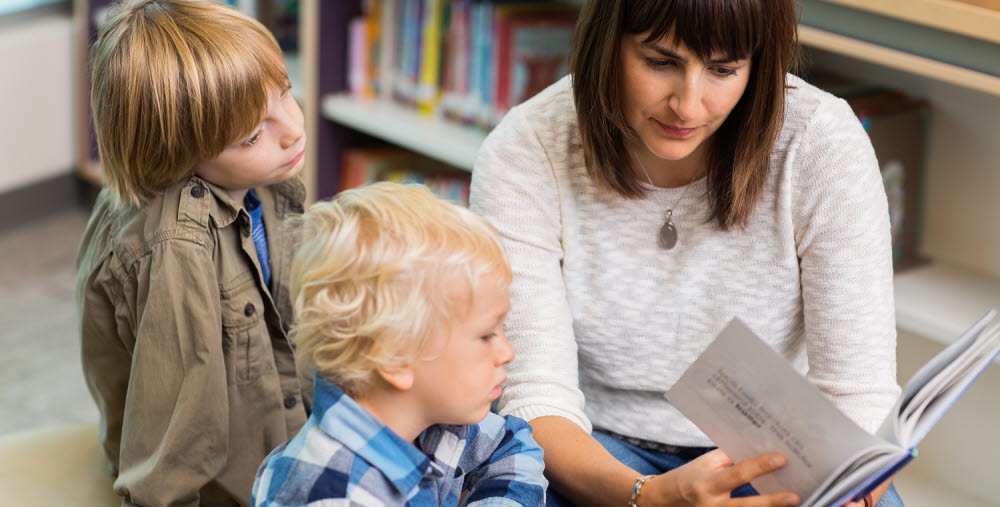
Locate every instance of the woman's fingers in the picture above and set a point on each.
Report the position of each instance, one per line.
(715, 459)
(711, 478)
(745, 471)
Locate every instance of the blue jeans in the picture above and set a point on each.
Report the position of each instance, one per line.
(654, 463)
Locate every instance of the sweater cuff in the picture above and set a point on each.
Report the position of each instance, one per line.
(535, 411)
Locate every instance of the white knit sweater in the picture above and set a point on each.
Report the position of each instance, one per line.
(604, 322)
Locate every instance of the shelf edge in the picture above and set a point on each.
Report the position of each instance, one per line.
(948, 15)
(333, 107)
(899, 60)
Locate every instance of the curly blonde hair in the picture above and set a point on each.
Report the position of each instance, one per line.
(369, 281)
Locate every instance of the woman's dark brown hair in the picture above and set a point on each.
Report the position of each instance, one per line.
(740, 151)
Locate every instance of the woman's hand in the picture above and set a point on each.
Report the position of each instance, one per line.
(709, 480)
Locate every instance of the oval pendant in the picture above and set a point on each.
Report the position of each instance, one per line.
(668, 236)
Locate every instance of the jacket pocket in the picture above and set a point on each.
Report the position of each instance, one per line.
(244, 332)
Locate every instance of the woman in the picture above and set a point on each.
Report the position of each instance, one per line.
(679, 178)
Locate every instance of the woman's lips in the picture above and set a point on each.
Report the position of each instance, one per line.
(675, 132)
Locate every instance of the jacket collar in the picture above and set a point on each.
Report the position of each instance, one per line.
(288, 195)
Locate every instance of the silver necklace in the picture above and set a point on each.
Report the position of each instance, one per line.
(667, 238)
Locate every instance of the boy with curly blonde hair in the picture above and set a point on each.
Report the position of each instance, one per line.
(400, 301)
(182, 273)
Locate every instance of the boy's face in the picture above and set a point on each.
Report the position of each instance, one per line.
(466, 365)
(273, 153)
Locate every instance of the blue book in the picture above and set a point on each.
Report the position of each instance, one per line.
(750, 401)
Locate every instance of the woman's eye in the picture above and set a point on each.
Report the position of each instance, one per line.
(253, 139)
(724, 71)
(658, 64)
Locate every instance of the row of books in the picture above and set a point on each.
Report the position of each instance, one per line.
(362, 166)
(897, 126)
(468, 60)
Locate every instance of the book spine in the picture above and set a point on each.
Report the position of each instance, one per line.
(357, 57)
(373, 42)
(502, 66)
(430, 58)
(388, 51)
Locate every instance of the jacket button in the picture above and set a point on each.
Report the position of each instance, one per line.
(249, 309)
(290, 401)
(197, 191)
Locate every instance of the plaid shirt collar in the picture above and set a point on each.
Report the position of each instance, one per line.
(345, 420)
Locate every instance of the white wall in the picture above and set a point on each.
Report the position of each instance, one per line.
(36, 100)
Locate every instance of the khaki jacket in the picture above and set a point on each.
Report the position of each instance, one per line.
(184, 348)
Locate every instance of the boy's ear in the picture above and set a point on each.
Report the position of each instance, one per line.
(399, 376)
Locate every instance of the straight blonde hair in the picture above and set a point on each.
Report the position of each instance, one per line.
(174, 83)
(370, 282)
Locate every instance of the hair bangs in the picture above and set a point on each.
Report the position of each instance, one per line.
(232, 78)
(711, 29)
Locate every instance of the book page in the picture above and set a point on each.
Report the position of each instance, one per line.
(937, 395)
(749, 401)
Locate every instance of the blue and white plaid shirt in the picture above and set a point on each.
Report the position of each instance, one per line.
(345, 453)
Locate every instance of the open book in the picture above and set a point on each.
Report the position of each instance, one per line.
(750, 401)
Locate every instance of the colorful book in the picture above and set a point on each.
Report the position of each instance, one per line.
(362, 166)
(428, 84)
(538, 56)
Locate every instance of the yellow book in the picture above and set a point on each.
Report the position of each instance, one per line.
(428, 88)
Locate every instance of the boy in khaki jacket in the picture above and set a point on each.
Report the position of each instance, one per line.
(182, 272)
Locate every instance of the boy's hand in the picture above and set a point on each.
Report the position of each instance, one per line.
(709, 480)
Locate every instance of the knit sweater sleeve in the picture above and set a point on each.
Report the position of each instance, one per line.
(843, 243)
(514, 187)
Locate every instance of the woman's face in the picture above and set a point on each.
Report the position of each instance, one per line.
(675, 101)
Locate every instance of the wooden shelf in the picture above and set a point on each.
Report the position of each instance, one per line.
(437, 138)
(950, 15)
(900, 60)
(940, 301)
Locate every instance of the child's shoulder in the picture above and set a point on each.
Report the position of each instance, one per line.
(179, 218)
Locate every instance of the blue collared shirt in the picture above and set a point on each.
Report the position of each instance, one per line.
(258, 231)
(343, 452)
